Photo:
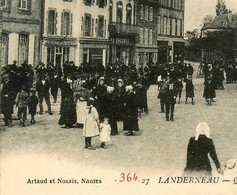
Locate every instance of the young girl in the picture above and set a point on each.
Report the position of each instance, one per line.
(105, 132)
(91, 127)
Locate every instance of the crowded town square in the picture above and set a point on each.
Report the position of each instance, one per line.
(118, 94)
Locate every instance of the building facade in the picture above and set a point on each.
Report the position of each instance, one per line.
(170, 30)
(75, 31)
(122, 31)
(21, 31)
(146, 20)
(224, 25)
(59, 42)
(93, 31)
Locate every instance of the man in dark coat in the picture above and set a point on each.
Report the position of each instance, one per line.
(55, 82)
(42, 88)
(7, 99)
(170, 99)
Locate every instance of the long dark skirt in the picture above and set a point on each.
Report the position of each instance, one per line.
(130, 123)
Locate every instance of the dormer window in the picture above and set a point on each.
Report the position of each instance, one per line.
(224, 23)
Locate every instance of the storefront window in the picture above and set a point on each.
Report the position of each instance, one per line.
(50, 55)
(119, 12)
(23, 48)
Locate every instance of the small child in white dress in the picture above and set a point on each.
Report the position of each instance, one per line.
(105, 131)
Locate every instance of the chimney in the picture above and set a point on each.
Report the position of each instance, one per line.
(229, 16)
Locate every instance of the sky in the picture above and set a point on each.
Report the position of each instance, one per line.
(196, 10)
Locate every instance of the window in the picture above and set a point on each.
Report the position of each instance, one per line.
(165, 25)
(101, 3)
(23, 4)
(52, 20)
(66, 25)
(182, 28)
(141, 12)
(101, 26)
(168, 26)
(129, 14)
(23, 48)
(159, 25)
(88, 2)
(119, 12)
(151, 14)
(162, 26)
(87, 29)
(66, 54)
(141, 38)
(178, 28)
(173, 27)
(4, 49)
(146, 13)
(111, 11)
(50, 55)
(146, 37)
(4, 3)
(150, 37)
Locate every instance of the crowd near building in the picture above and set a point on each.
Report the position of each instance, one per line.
(140, 32)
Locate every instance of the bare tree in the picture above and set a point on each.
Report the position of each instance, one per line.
(221, 8)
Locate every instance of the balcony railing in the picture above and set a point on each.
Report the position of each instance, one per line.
(120, 28)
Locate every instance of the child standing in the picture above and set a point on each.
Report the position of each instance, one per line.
(189, 89)
(21, 103)
(32, 104)
(105, 130)
(91, 127)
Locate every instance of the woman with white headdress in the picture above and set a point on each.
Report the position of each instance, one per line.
(199, 147)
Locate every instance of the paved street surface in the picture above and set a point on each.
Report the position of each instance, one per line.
(159, 147)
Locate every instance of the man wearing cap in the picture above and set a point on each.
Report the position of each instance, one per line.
(42, 87)
(7, 99)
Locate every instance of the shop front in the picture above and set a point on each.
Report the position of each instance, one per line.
(178, 51)
(163, 52)
(122, 49)
(57, 51)
(93, 51)
(146, 56)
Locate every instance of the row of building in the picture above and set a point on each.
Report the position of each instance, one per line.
(138, 32)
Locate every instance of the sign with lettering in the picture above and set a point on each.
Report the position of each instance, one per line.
(61, 42)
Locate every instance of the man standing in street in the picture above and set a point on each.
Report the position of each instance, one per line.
(170, 99)
(42, 87)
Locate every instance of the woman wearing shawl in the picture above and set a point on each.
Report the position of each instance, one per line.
(199, 147)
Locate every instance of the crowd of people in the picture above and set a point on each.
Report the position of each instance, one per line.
(117, 92)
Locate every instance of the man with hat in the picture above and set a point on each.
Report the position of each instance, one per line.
(42, 87)
(7, 99)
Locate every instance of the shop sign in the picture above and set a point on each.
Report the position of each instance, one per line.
(121, 41)
(92, 45)
(61, 43)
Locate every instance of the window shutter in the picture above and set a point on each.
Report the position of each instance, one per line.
(82, 25)
(47, 22)
(96, 27)
(56, 20)
(104, 28)
(93, 27)
(29, 5)
(71, 24)
(62, 23)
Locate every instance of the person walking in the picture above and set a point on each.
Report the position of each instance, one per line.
(199, 147)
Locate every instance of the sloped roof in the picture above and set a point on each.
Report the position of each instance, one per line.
(217, 23)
